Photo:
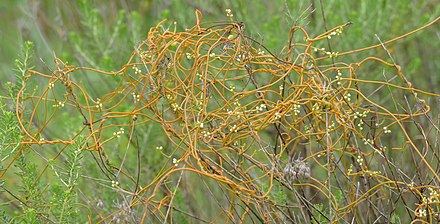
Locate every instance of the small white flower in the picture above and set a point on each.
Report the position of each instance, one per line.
(175, 162)
(98, 104)
(115, 183)
(200, 124)
(360, 160)
(422, 212)
(277, 115)
(229, 13)
(233, 128)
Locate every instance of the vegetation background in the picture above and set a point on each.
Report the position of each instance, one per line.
(103, 34)
(67, 29)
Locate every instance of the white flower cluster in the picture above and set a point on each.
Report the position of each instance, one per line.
(229, 13)
(360, 160)
(358, 115)
(176, 107)
(261, 107)
(347, 97)
(367, 141)
(59, 105)
(189, 56)
(332, 54)
(337, 32)
(175, 162)
(233, 128)
(98, 104)
(115, 183)
(296, 108)
(119, 133)
(277, 115)
(386, 130)
(136, 97)
(339, 78)
(136, 70)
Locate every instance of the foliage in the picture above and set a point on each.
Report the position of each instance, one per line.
(287, 125)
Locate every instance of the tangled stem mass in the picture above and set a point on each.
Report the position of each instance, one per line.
(249, 120)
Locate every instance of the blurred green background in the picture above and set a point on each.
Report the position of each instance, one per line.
(103, 34)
